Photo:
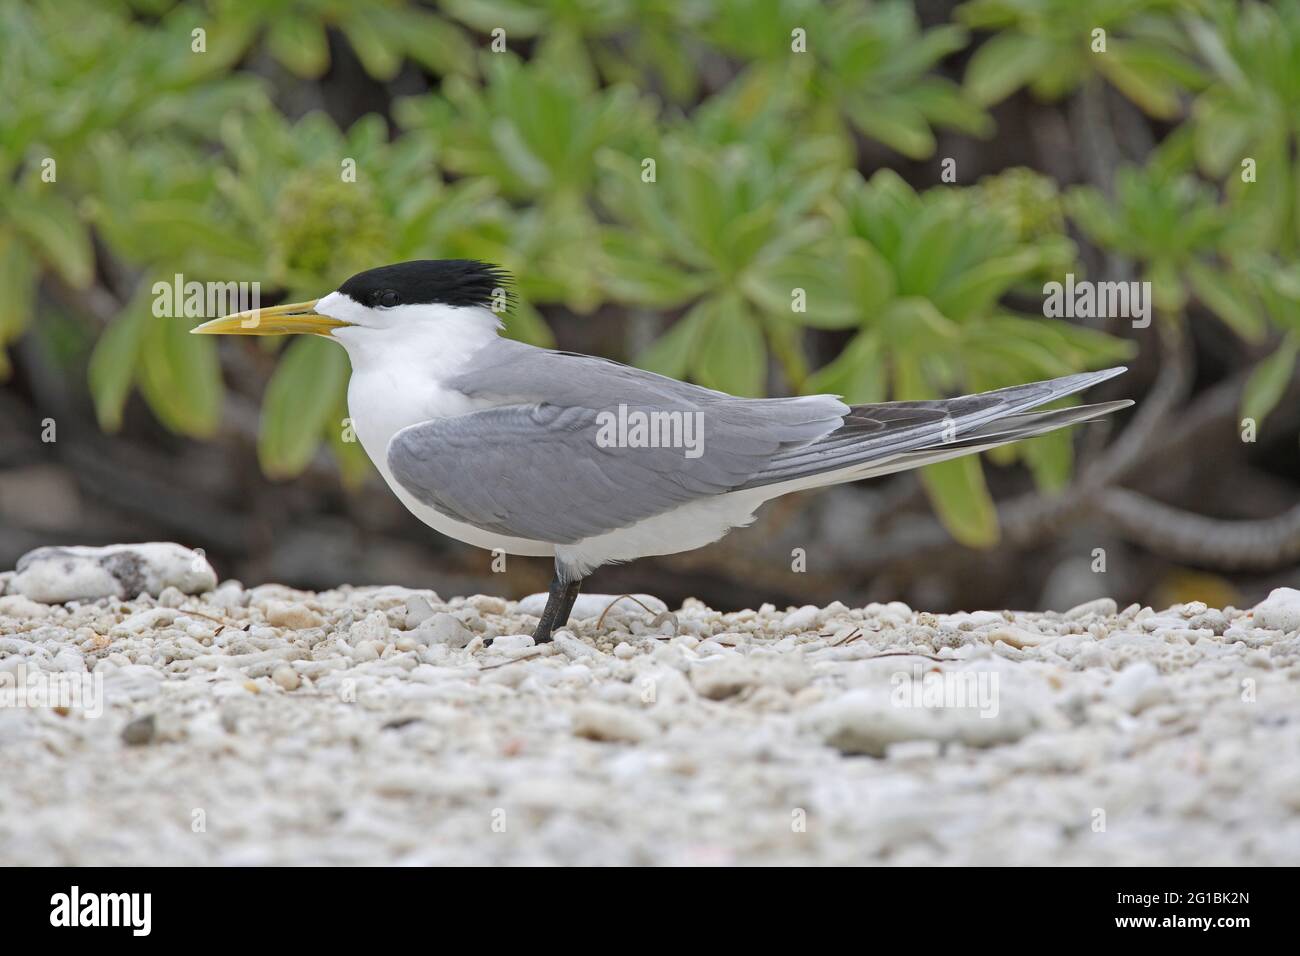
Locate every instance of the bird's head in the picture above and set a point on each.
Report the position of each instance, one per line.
(390, 297)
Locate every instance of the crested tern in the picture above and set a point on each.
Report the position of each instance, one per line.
(532, 451)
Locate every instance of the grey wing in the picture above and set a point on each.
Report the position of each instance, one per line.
(889, 430)
(545, 472)
(533, 467)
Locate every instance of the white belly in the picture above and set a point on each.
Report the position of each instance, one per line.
(380, 409)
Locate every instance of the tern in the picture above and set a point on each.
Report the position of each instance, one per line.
(531, 451)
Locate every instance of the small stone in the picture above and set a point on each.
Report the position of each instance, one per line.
(870, 721)
(718, 680)
(509, 643)
(488, 604)
(1211, 619)
(1137, 687)
(1016, 637)
(147, 620)
(597, 721)
(1280, 611)
(571, 647)
(443, 628)
(1101, 607)
(286, 677)
(372, 627)
(60, 574)
(171, 597)
(139, 731)
(801, 619)
(418, 610)
(297, 617)
(15, 605)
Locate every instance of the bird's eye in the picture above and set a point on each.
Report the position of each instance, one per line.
(387, 298)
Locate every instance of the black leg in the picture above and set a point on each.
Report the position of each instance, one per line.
(558, 606)
(571, 590)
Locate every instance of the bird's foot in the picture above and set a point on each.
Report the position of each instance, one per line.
(559, 604)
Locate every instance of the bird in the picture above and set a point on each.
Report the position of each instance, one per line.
(539, 452)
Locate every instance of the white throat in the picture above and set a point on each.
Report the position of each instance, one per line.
(402, 359)
(437, 339)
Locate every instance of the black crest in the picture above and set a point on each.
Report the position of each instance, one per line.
(423, 281)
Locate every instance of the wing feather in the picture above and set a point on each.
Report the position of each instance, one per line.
(533, 465)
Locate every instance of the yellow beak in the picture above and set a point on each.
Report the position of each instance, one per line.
(292, 319)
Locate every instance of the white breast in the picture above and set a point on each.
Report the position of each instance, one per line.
(398, 379)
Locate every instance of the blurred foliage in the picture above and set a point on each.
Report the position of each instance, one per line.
(695, 159)
(1055, 46)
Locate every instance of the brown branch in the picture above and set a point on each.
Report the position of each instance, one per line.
(1228, 545)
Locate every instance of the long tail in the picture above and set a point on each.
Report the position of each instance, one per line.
(895, 436)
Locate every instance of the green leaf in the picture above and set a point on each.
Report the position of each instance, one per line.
(1168, 292)
(975, 290)
(857, 374)
(299, 43)
(1004, 63)
(1145, 84)
(914, 324)
(373, 49)
(438, 46)
(180, 377)
(300, 400)
(894, 123)
(845, 282)
(55, 230)
(1268, 382)
(671, 353)
(732, 356)
(113, 363)
(1221, 133)
(1050, 458)
(1227, 299)
(943, 102)
(635, 274)
(962, 501)
(17, 287)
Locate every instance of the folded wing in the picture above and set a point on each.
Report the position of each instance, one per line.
(549, 461)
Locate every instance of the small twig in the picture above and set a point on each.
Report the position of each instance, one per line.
(216, 620)
(600, 621)
(929, 657)
(853, 635)
(513, 660)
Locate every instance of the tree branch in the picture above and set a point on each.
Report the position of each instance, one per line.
(1228, 545)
